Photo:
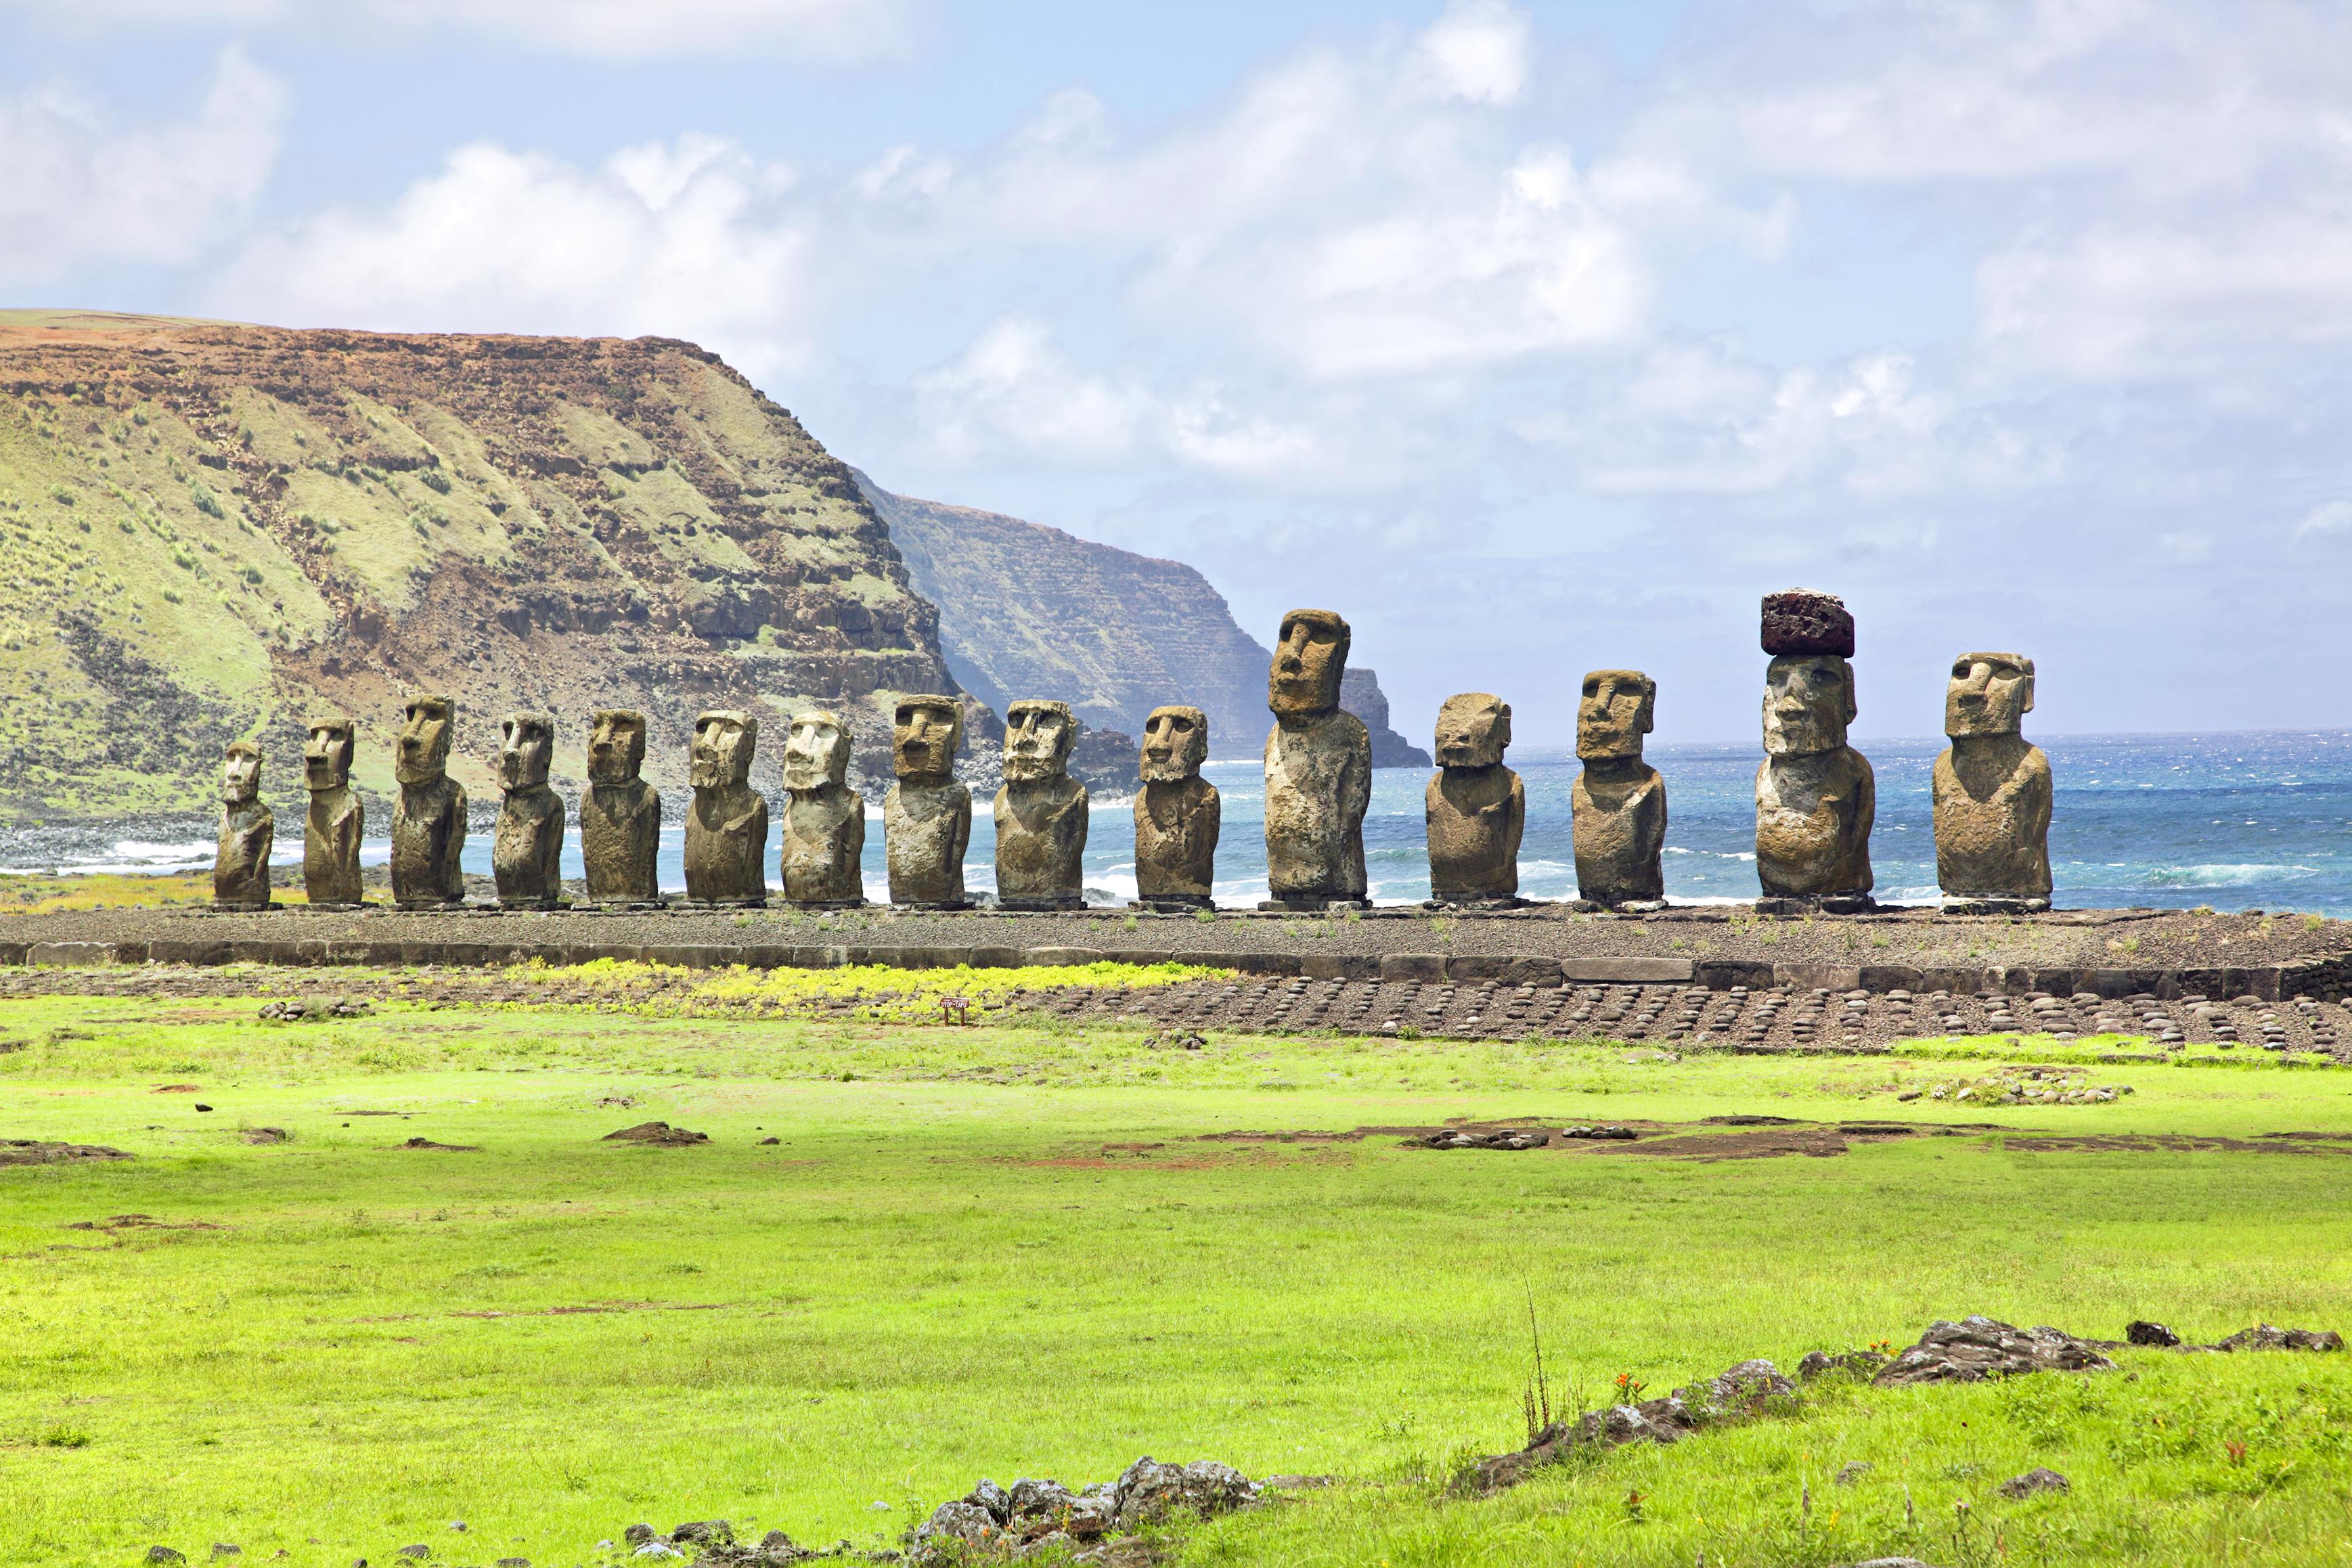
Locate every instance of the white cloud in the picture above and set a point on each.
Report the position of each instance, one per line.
(1476, 51)
(824, 32)
(83, 188)
(1013, 389)
(690, 239)
(2325, 528)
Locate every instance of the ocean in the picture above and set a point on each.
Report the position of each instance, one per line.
(2260, 820)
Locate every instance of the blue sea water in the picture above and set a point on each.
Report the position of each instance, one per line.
(2257, 820)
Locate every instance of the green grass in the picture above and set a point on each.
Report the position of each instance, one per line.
(1013, 1251)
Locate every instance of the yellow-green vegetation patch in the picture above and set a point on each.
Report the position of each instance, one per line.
(107, 890)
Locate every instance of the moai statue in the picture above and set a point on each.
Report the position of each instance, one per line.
(336, 821)
(1177, 813)
(927, 815)
(1620, 802)
(526, 851)
(428, 820)
(1992, 790)
(727, 828)
(620, 817)
(1041, 811)
(241, 859)
(1475, 808)
(824, 825)
(1318, 771)
(1815, 795)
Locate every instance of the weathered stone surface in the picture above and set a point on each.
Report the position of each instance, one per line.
(927, 816)
(1992, 788)
(428, 818)
(335, 823)
(247, 830)
(727, 827)
(1979, 1347)
(1041, 811)
(620, 817)
(824, 824)
(2040, 1479)
(1177, 813)
(1620, 801)
(2265, 1336)
(1318, 767)
(1804, 624)
(527, 849)
(2142, 1332)
(1816, 797)
(1476, 808)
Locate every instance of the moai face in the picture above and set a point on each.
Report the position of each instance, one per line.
(1473, 728)
(816, 753)
(1308, 663)
(1989, 693)
(1614, 713)
(241, 773)
(526, 747)
(1808, 703)
(617, 746)
(423, 753)
(724, 740)
(1175, 744)
(1037, 738)
(326, 754)
(926, 734)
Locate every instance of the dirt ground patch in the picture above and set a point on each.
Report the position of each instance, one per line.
(2134, 1143)
(33, 1152)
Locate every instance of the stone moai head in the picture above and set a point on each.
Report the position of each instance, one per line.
(1308, 662)
(424, 751)
(926, 733)
(327, 753)
(724, 740)
(1617, 709)
(241, 773)
(1175, 744)
(1473, 729)
(816, 751)
(1038, 735)
(617, 746)
(1989, 693)
(1808, 703)
(526, 751)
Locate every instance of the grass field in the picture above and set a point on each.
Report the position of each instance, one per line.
(1015, 1251)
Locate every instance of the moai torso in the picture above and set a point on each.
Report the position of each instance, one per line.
(335, 823)
(527, 850)
(428, 818)
(1040, 810)
(1815, 796)
(1475, 809)
(824, 823)
(927, 815)
(620, 817)
(727, 827)
(248, 831)
(1992, 788)
(1318, 766)
(1618, 804)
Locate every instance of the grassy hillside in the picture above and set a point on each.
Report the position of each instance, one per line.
(207, 530)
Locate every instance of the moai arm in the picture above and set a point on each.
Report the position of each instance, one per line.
(1516, 827)
(452, 868)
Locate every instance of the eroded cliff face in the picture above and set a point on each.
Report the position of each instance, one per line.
(208, 531)
(1029, 611)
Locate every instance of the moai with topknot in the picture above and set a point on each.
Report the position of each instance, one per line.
(927, 815)
(1620, 802)
(727, 827)
(247, 833)
(336, 820)
(428, 818)
(527, 850)
(824, 823)
(620, 815)
(1318, 771)
(1177, 813)
(1475, 808)
(1992, 791)
(1041, 811)
(1815, 795)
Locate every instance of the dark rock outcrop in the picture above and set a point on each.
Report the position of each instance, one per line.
(1977, 1347)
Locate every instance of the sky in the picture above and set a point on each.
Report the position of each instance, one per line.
(1531, 338)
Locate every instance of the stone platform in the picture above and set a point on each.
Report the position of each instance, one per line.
(2104, 954)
